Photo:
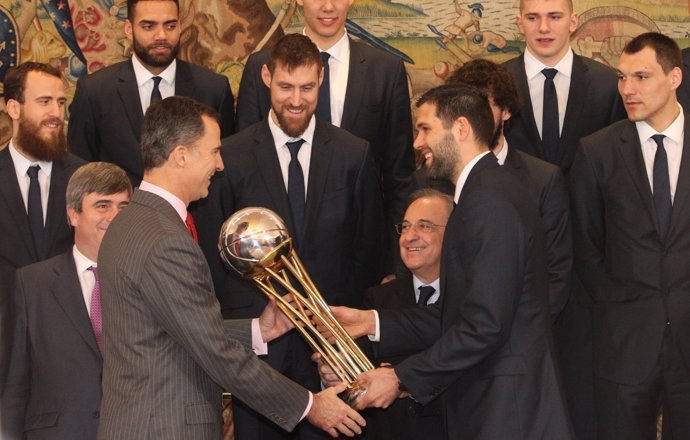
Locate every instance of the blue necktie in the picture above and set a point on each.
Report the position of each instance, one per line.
(425, 293)
(549, 129)
(662, 187)
(35, 212)
(323, 107)
(296, 192)
(155, 93)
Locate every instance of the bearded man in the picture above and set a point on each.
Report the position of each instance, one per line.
(107, 111)
(34, 171)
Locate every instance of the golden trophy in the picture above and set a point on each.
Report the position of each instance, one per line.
(255, 244)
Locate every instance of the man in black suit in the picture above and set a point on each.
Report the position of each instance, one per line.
(108, 108)
(684, 89)
(367, 95)
(34, 170)
(630, 189)
(488, 353)
(336, 217)
(54, 382)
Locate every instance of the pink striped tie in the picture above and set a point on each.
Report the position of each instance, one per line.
(96, 317)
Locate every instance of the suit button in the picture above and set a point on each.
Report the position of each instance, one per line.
(96, 414)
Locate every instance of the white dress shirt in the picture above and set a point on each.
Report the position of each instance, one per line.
(87, 279)
(145, 82)
(284, 157)
(21, 168)
(535, 81)
(673, 144)
(339, 68)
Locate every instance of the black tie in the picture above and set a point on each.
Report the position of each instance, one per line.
(425, 293)
(296, 188)
(662, 187)
(549, 128)
(323, 107)
(156, 93)
(35, 211)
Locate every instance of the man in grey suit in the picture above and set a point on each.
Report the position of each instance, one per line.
(168, 354)
(32, 215)
(54, 383)
(108, 108)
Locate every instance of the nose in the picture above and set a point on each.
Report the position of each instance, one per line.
(625, 87)
(543, 25)
(327, 5)
(219, 163)
(296, 97)
(112, 212)
(419, 141)
(160, 33)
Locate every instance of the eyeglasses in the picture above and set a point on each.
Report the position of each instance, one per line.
(420, 226)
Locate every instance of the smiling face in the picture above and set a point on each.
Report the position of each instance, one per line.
(90, 224)
(421, 251)
(155, 33)
(436, 144)
(294, 95)
(546, 26)
(325, 20)
(649, 94)
(202, 161)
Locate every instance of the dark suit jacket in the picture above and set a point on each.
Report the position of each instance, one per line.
(405, 419)
(16, 246)
(684, 89)
(493, 362)
(106, 118)
(168, 354)
(638, 282)
(593, 103)
(376, 108)
(54, 384)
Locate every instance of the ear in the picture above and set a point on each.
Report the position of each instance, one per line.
(72, 217)
(574, 21)
(128, 29)
(461, 128)
(179, 156)
(676, 76)
(518, 21)
(13, 109)
(266, 75)
(505, 115)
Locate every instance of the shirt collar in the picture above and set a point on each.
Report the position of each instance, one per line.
(340, 51)
(465, 174)
(501, 156)
(279, 136)
(169, 197)
(436, 284)
(533, 66)
(673, 131)
(82, 262)
(22, 163)
(142, 74)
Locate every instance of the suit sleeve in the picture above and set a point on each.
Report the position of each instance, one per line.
(248, 97)
(485, 319)
(555, 214)
(227, 111)
(15, 396)
(82, 132)
(174, 279)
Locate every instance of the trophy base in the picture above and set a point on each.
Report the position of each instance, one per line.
(353, 394)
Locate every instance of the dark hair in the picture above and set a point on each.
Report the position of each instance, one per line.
(493, 78)
(430, 193)
(667, 51)
(131, 4)
(292, 51)
(453, 101)
(15, 78)
(174, 121)
(96, 177)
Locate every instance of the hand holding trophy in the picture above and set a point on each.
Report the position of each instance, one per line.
(255, 243)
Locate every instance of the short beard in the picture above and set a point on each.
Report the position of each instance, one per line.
(29, 141)
(445, 160)
(294, 130)
(154, 61)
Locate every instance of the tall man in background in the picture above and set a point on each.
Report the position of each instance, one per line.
(108, 108)
(34, 170)
(54, 382)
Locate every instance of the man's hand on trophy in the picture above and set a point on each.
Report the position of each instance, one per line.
(383, 387)
(328, 377)
(356, 322)
(273, 322)
(332, 415)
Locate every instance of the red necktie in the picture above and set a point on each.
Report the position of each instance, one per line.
(189, 221)
(96, 316)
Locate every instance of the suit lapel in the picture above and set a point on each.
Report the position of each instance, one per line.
(268, 165)
(184, 81)
(9, 191)
(67, 292)
(56, 206)
(527, 113)
(680, 200)
(129, 94)
(355, 86)
(321, 155)
(577, 96)
(631, 153)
